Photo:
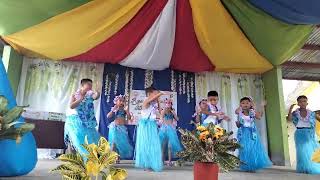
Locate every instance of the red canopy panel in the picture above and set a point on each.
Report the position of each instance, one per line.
(187, 53)
(120, 45)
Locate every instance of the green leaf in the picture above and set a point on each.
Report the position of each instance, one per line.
(25, 127)
(3, 105)
(12, 115)
(73, 159)
(7, 126)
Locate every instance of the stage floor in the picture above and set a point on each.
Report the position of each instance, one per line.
(41, 172)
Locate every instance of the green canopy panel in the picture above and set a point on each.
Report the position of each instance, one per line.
(275, 40)
(16, 15)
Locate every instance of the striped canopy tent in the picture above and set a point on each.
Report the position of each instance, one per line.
(236, 36)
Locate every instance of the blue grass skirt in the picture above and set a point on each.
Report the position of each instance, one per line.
(75, 131)
(252, 153)
(148, 147)
(306, 145)
(118, 136)
(168, 136)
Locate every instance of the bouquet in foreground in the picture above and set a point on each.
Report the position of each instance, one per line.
(210, 144)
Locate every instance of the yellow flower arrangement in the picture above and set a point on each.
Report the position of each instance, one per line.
(213, 132)
(201, 128)
(209, 144)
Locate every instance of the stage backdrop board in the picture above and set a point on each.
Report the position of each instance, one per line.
(118, 80)
(137, 97)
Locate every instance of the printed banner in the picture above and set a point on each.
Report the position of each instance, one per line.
(137, 97)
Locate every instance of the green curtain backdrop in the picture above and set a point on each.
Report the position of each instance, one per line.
(16, 15)
(275, 40)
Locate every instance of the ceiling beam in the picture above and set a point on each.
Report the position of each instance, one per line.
(301, 78)
(301, 65)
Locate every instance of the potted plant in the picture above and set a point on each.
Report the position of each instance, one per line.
(98, 162)
(10, 127)
(210, 148)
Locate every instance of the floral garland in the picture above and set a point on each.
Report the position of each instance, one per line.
(126, 84)
(184, 83)
(180, 84)
(192, 87)
(116, 84)
(188, 92)
(173, 82)
(109, 91)
(131, 80)
(148, 78)
(106, 83)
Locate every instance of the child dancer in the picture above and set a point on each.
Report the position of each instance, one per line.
(148, 146)
(168, 135)
(252, 153)
(203, 108)
(81, 121)
(215, 115)
(304, 137)
(118, 134)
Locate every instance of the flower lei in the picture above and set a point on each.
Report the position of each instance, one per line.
(306, 119)
(119, 97)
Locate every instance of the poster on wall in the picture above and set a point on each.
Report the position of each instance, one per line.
(137, 97)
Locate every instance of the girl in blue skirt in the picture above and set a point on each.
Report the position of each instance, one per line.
(148, 146)
(252, 153)
(118, 134)
(168, 134)
(81, 121)
(304, 137)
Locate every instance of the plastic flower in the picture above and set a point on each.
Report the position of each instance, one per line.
(201, 128)
(218, 134)
(203, 135)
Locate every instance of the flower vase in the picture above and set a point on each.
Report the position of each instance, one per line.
(205, 171)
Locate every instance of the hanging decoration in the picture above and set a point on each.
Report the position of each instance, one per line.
(173, 82)
(126, 84)
(180, 84)
(131, 80)
(116, 84)
(106, 85)
(188, 92)
(192, 87)
(183, 83)
(148, 78)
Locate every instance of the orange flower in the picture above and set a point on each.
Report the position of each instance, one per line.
(203, 135)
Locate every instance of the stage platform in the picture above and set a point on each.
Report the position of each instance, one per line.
(41, 172)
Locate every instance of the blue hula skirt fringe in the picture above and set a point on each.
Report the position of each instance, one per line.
(75, 132)
(148, 147)
(118, 136)
(252, 153)
(168, 136)
(306, 145)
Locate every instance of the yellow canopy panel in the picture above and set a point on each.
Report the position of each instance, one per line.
(76, 31)
(222, 40)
